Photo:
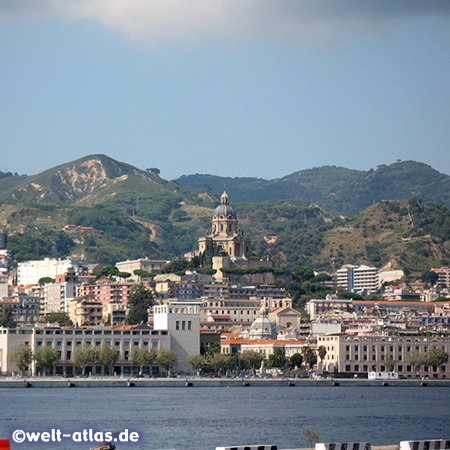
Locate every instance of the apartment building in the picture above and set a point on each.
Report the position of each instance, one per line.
(30, 272)
(317, 306)
(444, 276)
(358, 278)
(107, 291)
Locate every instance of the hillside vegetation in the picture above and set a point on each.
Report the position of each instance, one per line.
(336, 189)
(140, 214)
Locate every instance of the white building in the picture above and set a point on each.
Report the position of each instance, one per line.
(57, 296)
(30, 272)
(182, 322)
(358, 278)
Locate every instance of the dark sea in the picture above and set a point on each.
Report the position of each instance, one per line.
(205, 418)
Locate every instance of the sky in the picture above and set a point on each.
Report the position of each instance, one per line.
(260, 88)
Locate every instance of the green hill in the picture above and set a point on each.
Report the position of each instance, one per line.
(138, 214)
(337, 189)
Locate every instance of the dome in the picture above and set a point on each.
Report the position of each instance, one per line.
(263, 328)
(224, 210)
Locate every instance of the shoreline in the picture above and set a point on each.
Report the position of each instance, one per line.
(109, 382)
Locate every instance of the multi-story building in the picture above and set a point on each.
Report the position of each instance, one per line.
(443, 276)
(85, 312)
(146, 264)
(359, 355)
(6, 304)
(317, 306)
(358, 278)
(4, 289)
(107, 291)
(65, 340)
(31, 272)
(58, 295)
(29, 306)
(182, 322)
(179, 290)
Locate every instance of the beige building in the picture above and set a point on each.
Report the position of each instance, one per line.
(65, 340)
(149, 265)
(363, 354)
(316, 306)
(86, 312)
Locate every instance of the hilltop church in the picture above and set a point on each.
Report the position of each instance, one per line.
(226, 241)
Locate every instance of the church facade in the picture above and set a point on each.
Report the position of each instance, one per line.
(225, 239)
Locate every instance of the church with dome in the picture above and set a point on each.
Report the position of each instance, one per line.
(225, 239)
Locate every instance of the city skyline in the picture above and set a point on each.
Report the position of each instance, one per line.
(262, 89)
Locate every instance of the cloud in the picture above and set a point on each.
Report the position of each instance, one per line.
(157, 22)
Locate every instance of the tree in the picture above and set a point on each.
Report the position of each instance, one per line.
(302, 274)
(436, 357)
(389, 363)
(45, 280)
(416, 359)
(219, 362)
(321, 352)
(143, 273)
(429, 277)
(312, 437)
(108, 357)
(123, 274)
(214, 348)
(277, 359)
(295, 361)
(142, 356)
(196, 361)
(8, 318)
(46, 357)
(251, 359)
(166, 358)
(22, 357)
(59, 317)
(140, 301)
(309, 356)
(83, 355)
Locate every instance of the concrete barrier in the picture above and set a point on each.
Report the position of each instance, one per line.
(344, 446)
(438, 444)
(249, 447)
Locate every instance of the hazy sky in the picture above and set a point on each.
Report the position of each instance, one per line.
(228, 87)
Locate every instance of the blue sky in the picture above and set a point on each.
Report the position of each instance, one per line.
(257, 88)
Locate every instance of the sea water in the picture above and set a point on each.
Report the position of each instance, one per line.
(204, 418)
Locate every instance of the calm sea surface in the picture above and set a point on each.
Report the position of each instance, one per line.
(204, 418)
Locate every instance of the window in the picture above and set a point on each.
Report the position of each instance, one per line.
(183, 325)
(177, 325)
(189, 325)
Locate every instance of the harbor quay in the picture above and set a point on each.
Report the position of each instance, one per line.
(108, 382)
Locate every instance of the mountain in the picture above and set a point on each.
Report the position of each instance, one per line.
(343, 191)
(136, 213)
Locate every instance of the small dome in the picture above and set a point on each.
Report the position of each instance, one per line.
(263, 328)
(224, 210)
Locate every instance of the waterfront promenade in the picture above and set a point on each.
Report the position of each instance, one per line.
(61, 382)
